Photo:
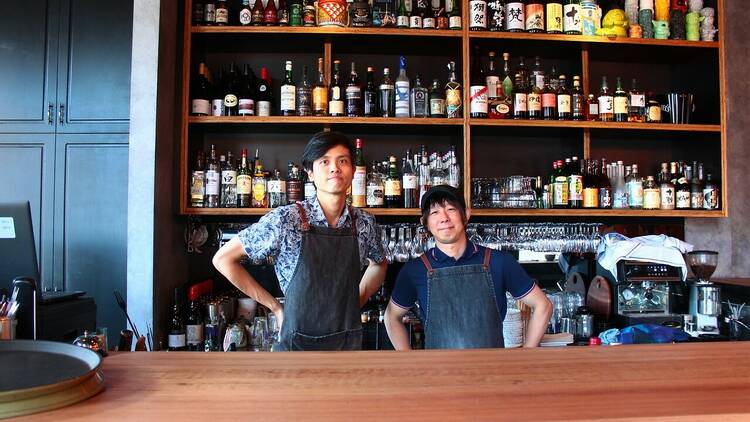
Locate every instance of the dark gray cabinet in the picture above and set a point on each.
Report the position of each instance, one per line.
(65, 66)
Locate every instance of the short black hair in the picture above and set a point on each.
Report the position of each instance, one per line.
(442, 199)
(320, 143)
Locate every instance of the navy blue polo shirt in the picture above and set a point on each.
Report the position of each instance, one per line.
(507, 276)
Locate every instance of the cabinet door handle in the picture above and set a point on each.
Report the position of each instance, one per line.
(61, 114)
(50, 108)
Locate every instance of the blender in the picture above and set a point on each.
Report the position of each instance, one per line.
(705, 297)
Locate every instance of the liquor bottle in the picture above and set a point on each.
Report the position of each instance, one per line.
(294, 185)
(605, 187)
(320, 92)
(263, 101)
(554, 79)
(177, 337)
(194, 324)
(534, 16)
(637, 106)
(276, 190)
(409, 182)
(606, 102)
(534, 100)
(564, 100)
(244, 182)
(402, 19)
(634, 187)
(477, 89)
(554, 17)
(520, 99)
(682, 188)
(288, 90)
(419, 99)
(653, 109)
(258, 14)
(454, 170)
(696, 187)
(359, 181)
(245, 101)
(496, 15)
(537, 73)
(454, 16)
(295, 13)
(393, 198)
(507, 81)
(370, 95)
(493, 78)
(222, 13)
(228, 183)
(575, 184)
(231, 92)
(477, 15)
(453, 94)
(590, 184)
(429, 14)
(549, 101)
(260, 185)
(560, 186)
(200, 104)
(425, 179)
(515, 16)
(651, 194)
(209, 16)
(271, 14)
(402, 90)
(711, 194)
(335, 99)
(577, 100)
(304, 95)
(523, 70)
(199, 12)
(213, 181)
(592, 108)
(308, 13)
(418, 12)
(198, 182)
(375, 188)
(572, 17)
(283, 14)
(621, 103)
(441, 20)
(353, 94)
(666, 189)
(437, 99)
(387, 95)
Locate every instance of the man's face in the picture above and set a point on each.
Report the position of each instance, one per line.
(333, 172)
(446, 223)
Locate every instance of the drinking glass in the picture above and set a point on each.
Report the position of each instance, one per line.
(259, 337)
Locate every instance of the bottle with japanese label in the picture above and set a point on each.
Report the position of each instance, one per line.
(276, 190)
(453, 100)
(477, 89)
(402, 19)
(336, 97)
(575, 184)
(437, 99)
(621, 103)
(682, 188)
(496, 15)
(477, 15)
(711, 194)
(606, 102)
(402, 91)
(634, 188)
(213, 181)
(564, 100)
(228, 183)
(418, 12)
(666, 189)
(493, 78)
(222, 13)
(353, 94)
(454, 15)
(560, 186)
(592, 108)
(637, 104)
(554, 15)
(534, 100)
(393, 197)
(696, 187)
(515, 16)
(320, 92)
(651, 194)
(375, 188)
(244, 183)
(209, 13)
(387, 95)
(549, 101)
(577, 100)
(359, 181)
(572, 17)
(520, 99)
(534, 16)
(419, 99)
(288, 90)
(198, 182)
(283, 14)
(605, 187)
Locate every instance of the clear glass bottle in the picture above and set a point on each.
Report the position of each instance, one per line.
(634, 184)
(387, 95)
(276, 190)
(213, 181)
(620, 197)
(198, 182)
(454, 169)
(260, 188)
(228, 183)
(425, 179)
(375, 188)
(419, 99)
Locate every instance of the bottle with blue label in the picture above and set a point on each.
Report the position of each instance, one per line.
(402, 91)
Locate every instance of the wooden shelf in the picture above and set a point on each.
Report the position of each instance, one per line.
(596, 125)
(328, 30)
(478, 212)
(592, 39)
(323, 120)
(263, 211)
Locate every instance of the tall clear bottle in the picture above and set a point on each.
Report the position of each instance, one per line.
(375, 188)
(605, 187)
(198, 182)
(276, 190)
(387, 95)
(419, 99)
(402, 90)
(454, 170)
(213, 181)
(228, 183)
(634, 184)
(244, 183)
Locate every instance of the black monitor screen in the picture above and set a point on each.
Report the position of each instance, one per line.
(17, 252)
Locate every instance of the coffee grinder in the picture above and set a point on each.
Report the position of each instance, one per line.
(705, 296)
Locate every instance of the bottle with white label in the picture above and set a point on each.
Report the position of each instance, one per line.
(620, 103)
(477, 15)
(572, 17)
(337, 91)
(200, 105)
(177, 337)
(402, 91)
(634, 187)
(198, 182)
(409, 182)
(359, 182)
(606, 102)
(288, 92)
(228, 182)
(276, 190)
(375, 188)
(402, 19)
(419, 99)
(651, 194)
(213, 181)
(264, 94)
(666, 189)
(515, 16)
(637, 106)
(477, 89)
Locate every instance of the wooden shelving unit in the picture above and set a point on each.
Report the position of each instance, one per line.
(696, 135)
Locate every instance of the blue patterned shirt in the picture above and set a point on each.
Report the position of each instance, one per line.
(278, 235)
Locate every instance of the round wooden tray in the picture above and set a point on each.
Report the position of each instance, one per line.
(36, 376)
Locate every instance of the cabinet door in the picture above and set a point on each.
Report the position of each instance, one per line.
(28, 65)
(94, 72)
(27, 174)
(91, 188)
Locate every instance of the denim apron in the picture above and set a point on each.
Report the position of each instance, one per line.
(462, 311)
(321, 306)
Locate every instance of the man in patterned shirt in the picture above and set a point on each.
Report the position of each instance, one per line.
(320, 247)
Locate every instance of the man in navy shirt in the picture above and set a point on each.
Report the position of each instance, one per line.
(459, 286)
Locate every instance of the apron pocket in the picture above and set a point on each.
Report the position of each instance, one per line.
(342, 340)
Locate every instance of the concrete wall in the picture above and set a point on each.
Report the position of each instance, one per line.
(731, 236)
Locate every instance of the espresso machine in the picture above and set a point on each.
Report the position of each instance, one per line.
(705, 296)
(645, 294)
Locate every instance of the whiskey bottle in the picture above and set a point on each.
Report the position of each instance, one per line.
(606, 102)
(320, 92)
(621, 103)
(549, 101)
(515, 16)
(353, 94)
(260, 186)
(213, 181)
(304, 95)
(294, 185)
(228, 183)
(198, 182)
(387, 95)
(336, 99)
(651, 194)
(419, 99)
(577, 100)
(478, 89)
(244, 183)
(520, 99)
(453, 100)
(564, 100)
(637, 104)
(534, 100)
(437, 99)
(222, 13)
(370, 96)
(288, 90)
(592, 108)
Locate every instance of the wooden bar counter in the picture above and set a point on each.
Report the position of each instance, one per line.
(707, 381)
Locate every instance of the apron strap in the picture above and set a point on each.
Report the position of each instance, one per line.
(487, 254)
(354, 221)
(303, 216)
(427, 263)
